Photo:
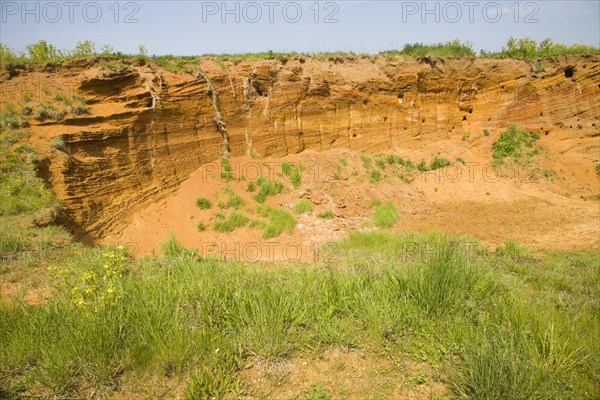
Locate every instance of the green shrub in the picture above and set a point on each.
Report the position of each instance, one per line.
(230, 223)
(203, 203)
(317, 392)
(9, 119)
(87, 48)
(45, 110)
(226, 174)
(11, 244)
(172, 247)
(266, 188)
(386, 215)
(460, 160)
(380, 164)
(42, 51)
(80, 106)
(212, 383)
(403, 177)
(375, 176)
(486, 132)
(251, 187)
(8, 137)
(366, 161)
(391, 159)
(527, 48)
(454, 48)
(60, 97)
(277, 221)
(201, 227)
(598, 169)
(8, 55)
(326, 214)
(233, 200)
(303, 206)
(293, 172)
(515, 143)
(439, 162)
(422, 166)
(409, 165)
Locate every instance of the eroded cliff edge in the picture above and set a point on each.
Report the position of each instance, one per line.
(148, 128)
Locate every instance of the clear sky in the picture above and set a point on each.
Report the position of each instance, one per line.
(199, 27)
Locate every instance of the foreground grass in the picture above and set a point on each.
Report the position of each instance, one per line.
(497, 324)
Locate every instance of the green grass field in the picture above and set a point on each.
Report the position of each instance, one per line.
(497, 324)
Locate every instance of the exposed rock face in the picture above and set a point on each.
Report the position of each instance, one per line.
(148, 129)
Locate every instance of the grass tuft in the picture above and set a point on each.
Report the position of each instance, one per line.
(266, 189)
(303, 205)
(230, 223)
(277, 221)
(386, 215)
(293, 172)
(233, 200)
(375, 176)
(439, 162)
(366, 160)
(203, 203)
(326, 214)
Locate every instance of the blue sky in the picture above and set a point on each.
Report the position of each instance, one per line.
(199, 27)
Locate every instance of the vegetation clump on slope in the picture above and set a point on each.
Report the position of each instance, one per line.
(516, 144)
(230, 223)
